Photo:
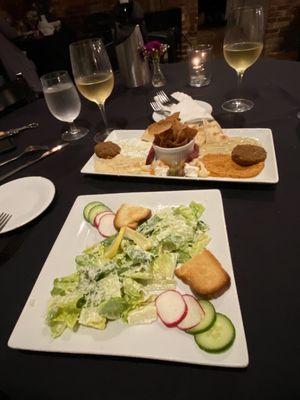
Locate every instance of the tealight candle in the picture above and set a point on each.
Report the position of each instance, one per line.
(199, 65)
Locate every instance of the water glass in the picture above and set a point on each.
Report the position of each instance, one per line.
(63, 102)
(199, 60)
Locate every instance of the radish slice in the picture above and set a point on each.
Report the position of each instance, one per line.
(194, 313)
(171, 307)
(99, 216)
(106, 226)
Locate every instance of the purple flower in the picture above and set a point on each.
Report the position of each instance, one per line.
(153, 45)
(154, 50)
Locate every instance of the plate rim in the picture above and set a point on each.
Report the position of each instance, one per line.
(216, 363)
(47, 203)
(268, 131)
(196, 100)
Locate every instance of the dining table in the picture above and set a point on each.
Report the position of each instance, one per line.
(261, 219)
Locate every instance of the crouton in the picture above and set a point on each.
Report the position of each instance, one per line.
(131, 215)
(204, 274)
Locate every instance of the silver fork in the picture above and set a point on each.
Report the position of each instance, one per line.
(4, 218)
(164, 99)
(28, 149)
(158, 108)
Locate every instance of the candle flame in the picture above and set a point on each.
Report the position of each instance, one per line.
(196, 61)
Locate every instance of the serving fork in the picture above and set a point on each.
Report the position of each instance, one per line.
(164, 99)
(4, 218)
(158, 108)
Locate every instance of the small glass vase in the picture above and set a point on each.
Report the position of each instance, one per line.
(158, 78)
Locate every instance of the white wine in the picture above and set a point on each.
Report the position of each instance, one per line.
(241, 56)
(96, 87)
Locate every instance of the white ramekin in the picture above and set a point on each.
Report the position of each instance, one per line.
(174, 155)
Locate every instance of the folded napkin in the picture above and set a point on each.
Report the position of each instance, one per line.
(189, 108)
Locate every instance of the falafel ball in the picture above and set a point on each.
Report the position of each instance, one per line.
(107, 149)
(248, 154)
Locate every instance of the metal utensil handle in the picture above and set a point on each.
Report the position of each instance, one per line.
(28, 126)
(15, 131)
(11, 159)
(165, 113)
(2, 177)
(45, 154)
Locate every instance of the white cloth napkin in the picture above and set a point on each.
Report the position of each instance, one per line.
(189, 108)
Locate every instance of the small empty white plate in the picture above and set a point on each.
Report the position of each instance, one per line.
(25, 199)
(207, 107)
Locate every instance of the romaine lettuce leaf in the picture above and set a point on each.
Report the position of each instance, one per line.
(142, 315)
(132, 288)
(134, 304)
(197, 209)
(110, 286)
(138, 255)
(63, 312)
(156, 286)
(138, 274)
(113, 308)
(187, 213)
(187, 251)
(65, 285)
(164, 266)
(199, 244)
(148, 227)
(90, 316)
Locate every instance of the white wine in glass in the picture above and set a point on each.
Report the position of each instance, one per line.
(243, 45)
(96, 87)
(93, 75)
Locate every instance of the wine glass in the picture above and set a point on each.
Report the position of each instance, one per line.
(63, 102)
(93, 75)
(243, 45)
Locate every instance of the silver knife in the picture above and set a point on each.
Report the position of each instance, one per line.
(198, 120)
(15, 131)
(28, 163)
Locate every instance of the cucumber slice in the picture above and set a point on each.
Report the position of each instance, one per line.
(219, 337)
(208, 319)
(88, 208)
(97, 209)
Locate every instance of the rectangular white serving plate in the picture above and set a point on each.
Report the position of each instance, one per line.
(268, 175)
(153, 341)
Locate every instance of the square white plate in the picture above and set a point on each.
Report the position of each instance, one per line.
(154, 341)
(268, 175)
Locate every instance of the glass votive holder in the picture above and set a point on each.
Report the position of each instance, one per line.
(199, 60)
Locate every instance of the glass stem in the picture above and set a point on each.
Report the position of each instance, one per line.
(102, 109)
(73, 128)
(240, 75)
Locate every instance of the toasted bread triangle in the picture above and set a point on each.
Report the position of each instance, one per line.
(204, 274)
(131, 215)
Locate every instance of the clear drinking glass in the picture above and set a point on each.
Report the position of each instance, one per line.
(243, 45)
(93, 75)
(63, 102)
(199, 60)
